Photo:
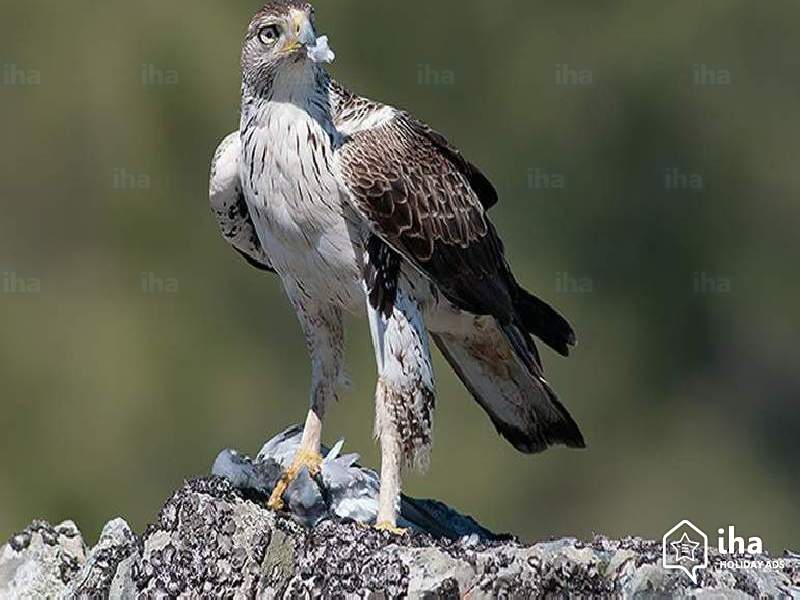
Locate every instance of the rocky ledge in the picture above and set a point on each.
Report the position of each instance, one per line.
(212, 540)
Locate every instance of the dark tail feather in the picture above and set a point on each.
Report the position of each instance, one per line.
(561, 429)
(565, 430)
(523, 347)
(497, 365)
(543, 321)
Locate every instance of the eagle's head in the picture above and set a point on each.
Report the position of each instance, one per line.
(282, 38)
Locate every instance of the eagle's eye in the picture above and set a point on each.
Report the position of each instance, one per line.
(269, 34)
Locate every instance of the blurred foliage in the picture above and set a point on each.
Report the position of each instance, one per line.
(135, 344)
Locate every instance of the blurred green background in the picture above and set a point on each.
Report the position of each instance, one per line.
(645, 155)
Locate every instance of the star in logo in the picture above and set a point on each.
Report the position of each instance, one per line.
(685, 548)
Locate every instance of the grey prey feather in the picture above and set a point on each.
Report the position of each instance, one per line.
(345, 489)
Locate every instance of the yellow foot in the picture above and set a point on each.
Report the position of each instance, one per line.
(303, 459)
(393, 529)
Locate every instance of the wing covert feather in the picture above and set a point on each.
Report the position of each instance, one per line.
(429, 203)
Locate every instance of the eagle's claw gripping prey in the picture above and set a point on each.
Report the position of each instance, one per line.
(303, 460)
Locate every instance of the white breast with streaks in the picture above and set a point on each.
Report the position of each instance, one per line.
(297, 205)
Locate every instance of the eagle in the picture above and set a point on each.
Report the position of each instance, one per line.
(361, 208)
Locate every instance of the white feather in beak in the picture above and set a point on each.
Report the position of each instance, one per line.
(320, 52)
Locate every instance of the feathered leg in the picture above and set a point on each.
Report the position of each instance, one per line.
(322, 326)
(404, 398)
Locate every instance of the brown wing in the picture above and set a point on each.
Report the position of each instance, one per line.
(429, 204)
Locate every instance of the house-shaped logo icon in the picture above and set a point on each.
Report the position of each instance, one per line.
(685, 548)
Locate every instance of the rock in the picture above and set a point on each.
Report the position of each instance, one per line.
(40, 561)
(212, 540)
(108, 570)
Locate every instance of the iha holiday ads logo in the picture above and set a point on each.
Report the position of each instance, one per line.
(685, 548)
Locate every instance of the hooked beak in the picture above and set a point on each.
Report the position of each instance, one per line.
(302, 33)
